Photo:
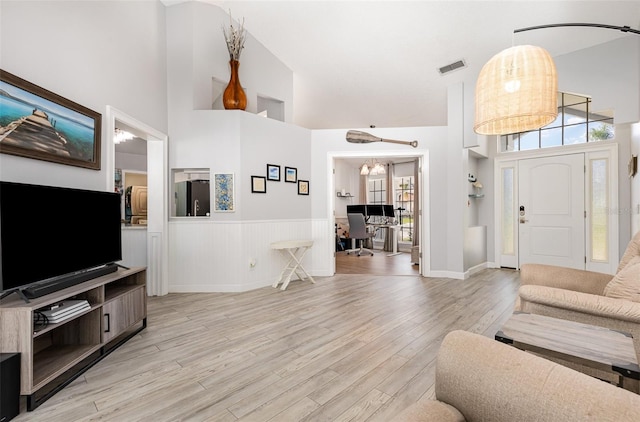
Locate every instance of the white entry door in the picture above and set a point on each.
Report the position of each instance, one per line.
(551, 211)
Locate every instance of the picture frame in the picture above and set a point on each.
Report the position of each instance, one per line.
(291, 175)
(258, 184)
(42, 125)
(223, 192)
(273, 172)
(303, 187)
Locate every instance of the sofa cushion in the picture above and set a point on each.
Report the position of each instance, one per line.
(626, 283)
(632, 251)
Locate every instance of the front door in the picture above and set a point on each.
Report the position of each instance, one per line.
(551, 211)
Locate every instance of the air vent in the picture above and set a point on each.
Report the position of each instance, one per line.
(451, 67)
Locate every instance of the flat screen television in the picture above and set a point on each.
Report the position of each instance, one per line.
(53, 237)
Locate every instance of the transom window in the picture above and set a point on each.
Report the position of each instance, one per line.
(576, 124)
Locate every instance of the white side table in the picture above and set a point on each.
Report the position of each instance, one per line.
(293, 251)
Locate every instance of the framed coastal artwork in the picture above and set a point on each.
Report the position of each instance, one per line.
(273, 172)
(291, 174)
(36, 123)
(223, 196)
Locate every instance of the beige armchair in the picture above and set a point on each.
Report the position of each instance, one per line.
(479, 379)
(586, 296)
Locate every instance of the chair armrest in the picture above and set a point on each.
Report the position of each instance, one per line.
(564, 278)
(601, 306)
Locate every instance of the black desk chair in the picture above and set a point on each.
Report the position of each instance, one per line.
(358, 230)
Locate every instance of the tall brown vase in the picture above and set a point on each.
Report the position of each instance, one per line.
(234, 97)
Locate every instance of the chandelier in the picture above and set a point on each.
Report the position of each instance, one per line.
(122, 136)
(372, 168)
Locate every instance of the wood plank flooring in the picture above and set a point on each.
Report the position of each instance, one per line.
(348, 348)
(378, 263)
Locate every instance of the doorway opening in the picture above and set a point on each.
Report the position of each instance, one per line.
(151, 235)
(393, 246)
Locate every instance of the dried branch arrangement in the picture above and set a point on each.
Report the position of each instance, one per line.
(235, 38)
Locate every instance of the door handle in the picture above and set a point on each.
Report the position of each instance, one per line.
(522, 220)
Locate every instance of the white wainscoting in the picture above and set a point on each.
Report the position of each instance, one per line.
(134, 247)
(324, 247)
(215, 256)
(156, 285)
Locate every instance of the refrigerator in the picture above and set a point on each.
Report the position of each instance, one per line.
(192, 198)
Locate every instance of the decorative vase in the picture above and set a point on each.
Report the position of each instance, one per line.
(234, 97)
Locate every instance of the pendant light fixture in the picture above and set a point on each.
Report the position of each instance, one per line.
(517, 88)
(372, 168)
(122, 136)
(517, 91)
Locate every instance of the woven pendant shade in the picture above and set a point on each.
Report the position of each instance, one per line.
(516, 92)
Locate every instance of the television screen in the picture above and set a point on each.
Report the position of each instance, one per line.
(48, 232)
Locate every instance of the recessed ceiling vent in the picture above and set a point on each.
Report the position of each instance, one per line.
(451, 67)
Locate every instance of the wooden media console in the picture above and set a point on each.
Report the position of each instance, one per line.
(54, 354)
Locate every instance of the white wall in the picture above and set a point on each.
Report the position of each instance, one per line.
(231, 251)
(609, 73)
(93, 53)
(197, 26)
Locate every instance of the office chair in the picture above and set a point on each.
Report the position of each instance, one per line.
(358, 230)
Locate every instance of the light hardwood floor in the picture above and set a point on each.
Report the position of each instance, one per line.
(348, 348)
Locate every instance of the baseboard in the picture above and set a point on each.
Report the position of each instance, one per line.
(446, 274)
(475, 269)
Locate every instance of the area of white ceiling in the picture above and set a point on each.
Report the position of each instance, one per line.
(362, 63)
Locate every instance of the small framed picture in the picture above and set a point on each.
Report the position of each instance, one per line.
(291, 174)
(258, 184)
(303, 187)
(273, 172)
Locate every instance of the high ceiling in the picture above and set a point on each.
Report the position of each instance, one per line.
(363, 63)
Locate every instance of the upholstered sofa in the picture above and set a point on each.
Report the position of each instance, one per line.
(586, 296)
(480, 379)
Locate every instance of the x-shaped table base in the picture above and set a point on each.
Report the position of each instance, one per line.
(293, 251)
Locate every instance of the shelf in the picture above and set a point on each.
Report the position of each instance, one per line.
(54, 361)
(346, 195)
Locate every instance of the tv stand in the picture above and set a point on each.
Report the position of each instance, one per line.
(53, 355)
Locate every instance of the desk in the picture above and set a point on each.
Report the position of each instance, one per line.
(394, 229)
(293, 251)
